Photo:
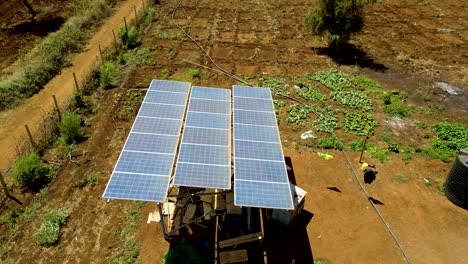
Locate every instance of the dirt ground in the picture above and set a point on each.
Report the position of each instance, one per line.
(18, 31)
(253, 37)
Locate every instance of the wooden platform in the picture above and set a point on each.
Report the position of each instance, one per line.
(236, 256)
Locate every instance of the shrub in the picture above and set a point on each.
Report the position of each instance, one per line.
(184, 252)
(336, 19)
(70, 127)
(108, 75)
(31, 172)
(49, 231)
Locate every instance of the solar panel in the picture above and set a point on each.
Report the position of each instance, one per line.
(208, 120)
(205, 158)
(161, 97)
(145, 164)
(260, 176)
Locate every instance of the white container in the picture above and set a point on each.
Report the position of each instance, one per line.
(288, 216)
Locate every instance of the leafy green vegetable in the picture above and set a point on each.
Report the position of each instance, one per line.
(328, 119)
(360, 124)
(334, 79)
(353, 99)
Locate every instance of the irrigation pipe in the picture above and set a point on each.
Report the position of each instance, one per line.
(221, 70)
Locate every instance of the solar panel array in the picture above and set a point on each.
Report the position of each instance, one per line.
(260, 176)
(205, 156)
(145, 164)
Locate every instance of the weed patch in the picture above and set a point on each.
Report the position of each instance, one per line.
(331, 142)
(49, 231)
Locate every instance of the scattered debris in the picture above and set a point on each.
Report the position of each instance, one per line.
(308, 134)
(324, 156)
(445, 30)
(450, 89)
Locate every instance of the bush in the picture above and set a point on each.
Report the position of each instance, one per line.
(336, 19)
(31, 172)
(50, 229)
(108, 75)
(70, 127)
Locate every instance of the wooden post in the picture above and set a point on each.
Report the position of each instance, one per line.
(363, 148)
(125, 23)
(7, 193)
(115, 40)
(100, 53)
(30, 137)
(143, 5)
(57, 107)
(136, 16)
(76, 83)
(5, 189)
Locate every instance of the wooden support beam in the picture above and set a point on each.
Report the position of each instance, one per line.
(240, 240)
(189, 213)
(234, 256)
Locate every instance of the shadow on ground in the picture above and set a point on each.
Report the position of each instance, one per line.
(352, 55)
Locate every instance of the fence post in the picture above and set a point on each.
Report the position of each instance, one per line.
(57, 108)
(76, 83)
(115, 40)
(100, 53)
(136, 16)
(125, 22)
(5, 189)
(143, 4)
(30, 137)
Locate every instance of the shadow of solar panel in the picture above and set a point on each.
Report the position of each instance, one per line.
(163, 111)
(145, 163)
(251, 92)
(209, 106)
(258, 150)
(203, 176)
(211, 93)
(137, 187)
(262, 194)
(157, 126)
(254, 118)
(165, 98)
(170, 86)
(258, 170)
(256, 133)
(218, 155)
(208, 120)
(253, 104)
(151, 143)
(206, 136)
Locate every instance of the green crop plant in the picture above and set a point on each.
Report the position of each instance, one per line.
(395, 105)
(355, 145)
(331, 142)
(360, 124)
(298, 114)
(311, 93)
(354, 99)
(334, 79)
(327, 120)
(378, 153)
(276, 84)
(369, 85)
(450, 139)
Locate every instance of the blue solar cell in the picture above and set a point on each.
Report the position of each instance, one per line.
(160, 110)
(170, 86)
(206, 136)
(211, 93)
(157, 126)
(253, 104)
(254, 118)
(252, 92)
(165, 98)
(208, 120)
(151, 143)
(259, 170)
(209, 106)
(145, 163)
(258, 150)
(203, 176)
(263, 194)
(256, 133)
(218, 155)
(137, 187)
